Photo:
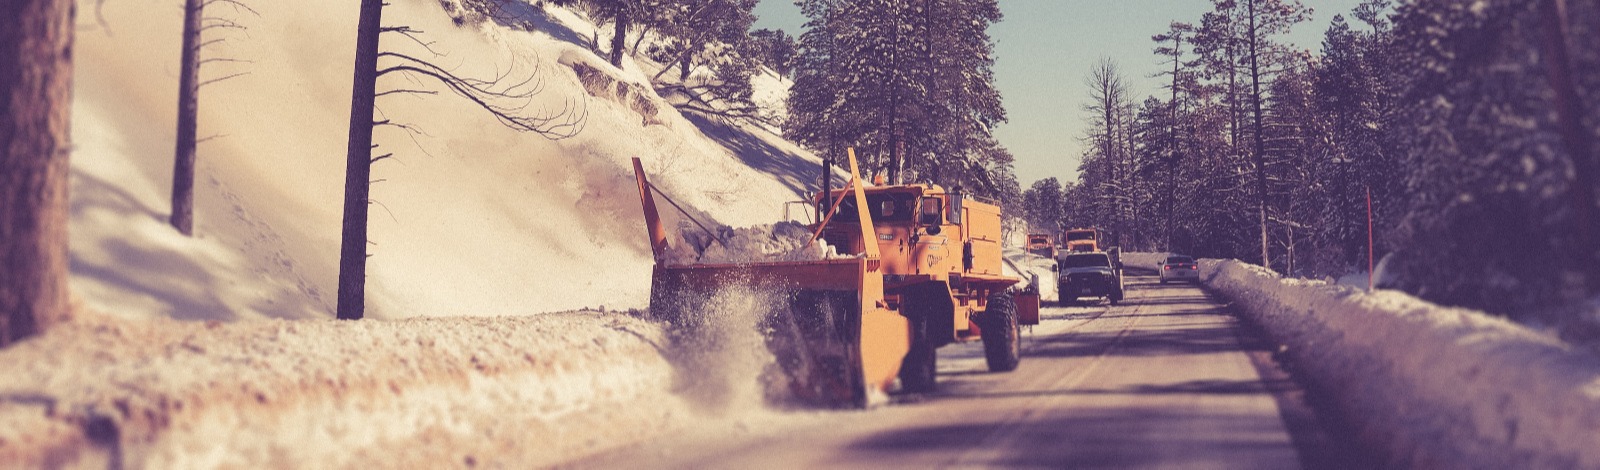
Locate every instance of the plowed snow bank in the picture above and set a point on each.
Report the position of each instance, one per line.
(521, 391)
(1435, 387)
(784, 241)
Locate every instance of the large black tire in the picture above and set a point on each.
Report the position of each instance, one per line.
(1115, 296)
(1002, 338)
(919, 369)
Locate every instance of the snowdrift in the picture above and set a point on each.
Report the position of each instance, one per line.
(780, 242)
(1434, 387)
(428, 393)
(1032, 270)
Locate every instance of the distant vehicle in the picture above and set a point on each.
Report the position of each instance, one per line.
(1041, 244)
(1082, 239)
(1179, 268)
(1090, 274)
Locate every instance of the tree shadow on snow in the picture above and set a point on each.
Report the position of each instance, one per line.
(524, 16)
(141, 269)
(796, 173)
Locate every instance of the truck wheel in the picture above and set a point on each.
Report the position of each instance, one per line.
(1002, 340)
(919, 369)
(1116, 296)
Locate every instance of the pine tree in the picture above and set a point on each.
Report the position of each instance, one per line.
(1489, 224)
(1178, 80)
(1042, 205)
(908, 84)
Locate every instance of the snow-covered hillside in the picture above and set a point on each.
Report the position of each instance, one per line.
(470, 218)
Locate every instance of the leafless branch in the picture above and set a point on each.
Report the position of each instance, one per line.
(412, 131)
(385, 209)
(409, 128)
(100, 18)
(207, 43)
(224, 59)
(218, 79)
(236, 4)
(405, 92)
(213, 22)
(492, 97)
(411, 34)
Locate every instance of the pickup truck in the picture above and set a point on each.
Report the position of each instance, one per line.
(1089, 274)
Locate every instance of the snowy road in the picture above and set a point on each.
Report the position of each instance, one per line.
(1167, 379)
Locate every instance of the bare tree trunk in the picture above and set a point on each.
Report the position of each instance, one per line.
(895, 145)
(640, 40)
(1260, 147)
(1108, 84)
(1172, 143)
(1233, 88)
(1578, 141)
(619, 39)
(825, 203)
(358, 165)
(1131, 173)
(188, 119)
(1288, 243)
(35, 125)
(685, 65)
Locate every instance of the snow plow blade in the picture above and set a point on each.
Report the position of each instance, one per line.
(834, 338)
(834, 343)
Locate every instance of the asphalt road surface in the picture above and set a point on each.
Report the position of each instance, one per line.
(1166, 379)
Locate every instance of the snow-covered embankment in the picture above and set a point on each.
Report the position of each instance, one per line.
(522, 391)
(1431, 387)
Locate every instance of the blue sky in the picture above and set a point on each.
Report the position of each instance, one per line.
(1045, 48)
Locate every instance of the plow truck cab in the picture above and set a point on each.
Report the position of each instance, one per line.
(1082, 240)
(1041, 245)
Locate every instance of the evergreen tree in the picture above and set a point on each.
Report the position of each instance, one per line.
(1042, 206)
(775, 49)
(908, 84)
(1490, 223)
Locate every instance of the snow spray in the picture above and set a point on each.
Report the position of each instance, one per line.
(724, 364)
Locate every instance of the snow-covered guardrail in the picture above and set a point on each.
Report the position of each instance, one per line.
(1429, 386)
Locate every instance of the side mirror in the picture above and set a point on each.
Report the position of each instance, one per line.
(929, 210)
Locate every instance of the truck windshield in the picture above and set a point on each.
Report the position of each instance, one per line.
(1080, 235)
(1087, 261)
(891, 207)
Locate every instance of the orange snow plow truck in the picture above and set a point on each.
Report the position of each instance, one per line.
(917, 267)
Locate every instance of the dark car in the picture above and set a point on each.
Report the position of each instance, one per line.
(1090, 274)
